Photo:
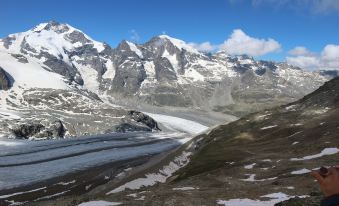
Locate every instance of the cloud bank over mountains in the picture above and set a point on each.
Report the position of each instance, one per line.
(240, 43)
(328, 58)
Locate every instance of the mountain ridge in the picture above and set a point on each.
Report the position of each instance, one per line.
(163, 72)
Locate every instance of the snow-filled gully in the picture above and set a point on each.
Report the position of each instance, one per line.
(25, 163)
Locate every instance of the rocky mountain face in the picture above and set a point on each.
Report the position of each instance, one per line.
(5, 80)
(163, 71)
(257, 160)
(168, 72)
(50, 78)
(57, 67)
(64, 50)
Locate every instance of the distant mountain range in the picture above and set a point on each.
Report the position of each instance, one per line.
(55, 58)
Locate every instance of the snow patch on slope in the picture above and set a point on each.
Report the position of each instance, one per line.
(193, 75)
(324, 152)
(134, 48)
(150, 69)
(274, 198)
(90, 77)
(178, 124)
(110, 73)
(160, 177)
(100, 203)
(301, 171)
(180, 44)
(31, 74)
(172, 58)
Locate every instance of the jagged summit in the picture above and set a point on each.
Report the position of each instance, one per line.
(51, 36)
(62, 49)
(165, 40)
(53, 25)
(56, 72)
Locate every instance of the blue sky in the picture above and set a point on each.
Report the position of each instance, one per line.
(289, 23)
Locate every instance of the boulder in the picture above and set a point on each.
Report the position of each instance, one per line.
(27, 130)
(144, 118)
(54, 130)
(57, 129)
(129, 127)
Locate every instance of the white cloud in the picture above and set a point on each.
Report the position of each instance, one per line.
(300, 51)
(327, 59)
(306, 62)
(240, 43)
(204, 47)
(330, 52)
(330, 56)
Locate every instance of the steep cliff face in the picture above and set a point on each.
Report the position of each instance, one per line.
(6, 81)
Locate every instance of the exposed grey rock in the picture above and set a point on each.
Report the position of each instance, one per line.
(8, 41)
(90, 57)
(77, 36)
(59, 66)
(20, 58)
(25, 48)
(6, 80)
(129, 127)
(164, 71)
(57, 129)
(143, 118)
(27, 130)
(82, 113)
(130, 72)
(107, 52)
(57, 27)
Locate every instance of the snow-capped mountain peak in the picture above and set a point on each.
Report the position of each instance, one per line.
(179, 44)
(52, 37)
(54, 26)
(62, 49)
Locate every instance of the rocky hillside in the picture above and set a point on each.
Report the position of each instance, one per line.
(161, 72)
(261, 159)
